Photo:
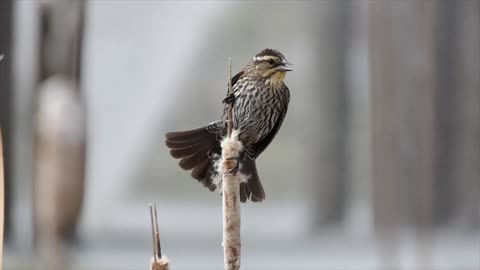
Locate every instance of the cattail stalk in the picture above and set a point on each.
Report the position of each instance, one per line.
(231, 148)
(158, 262)
(230, 105)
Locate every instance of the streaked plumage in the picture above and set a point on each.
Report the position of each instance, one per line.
(260, 102)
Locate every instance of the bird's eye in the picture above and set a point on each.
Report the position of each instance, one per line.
(271, 61)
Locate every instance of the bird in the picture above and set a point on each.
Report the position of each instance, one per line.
(260, 101)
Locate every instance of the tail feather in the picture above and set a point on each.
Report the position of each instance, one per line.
(244, 192)
(254, 189)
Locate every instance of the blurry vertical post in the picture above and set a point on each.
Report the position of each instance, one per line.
(404, 79)
(2, 200)
(6, 103)
(60, 131)
(386, 204)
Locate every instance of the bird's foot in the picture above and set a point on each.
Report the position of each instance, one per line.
(229, 99)
(233, 170)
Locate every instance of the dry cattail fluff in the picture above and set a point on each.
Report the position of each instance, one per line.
(231, 148)
(159, 263)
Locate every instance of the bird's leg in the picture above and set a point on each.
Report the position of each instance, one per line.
(234, 170)
(229, 99)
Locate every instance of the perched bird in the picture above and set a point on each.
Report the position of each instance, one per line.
(260, 101)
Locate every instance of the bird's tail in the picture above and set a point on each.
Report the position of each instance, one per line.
(195, 149)
(252, 189)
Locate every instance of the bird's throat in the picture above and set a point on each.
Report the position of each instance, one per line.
(276, 79)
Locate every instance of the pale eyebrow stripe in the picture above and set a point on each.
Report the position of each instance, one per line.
(265, 58)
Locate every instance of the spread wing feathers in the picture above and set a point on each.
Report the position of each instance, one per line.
(195, 148)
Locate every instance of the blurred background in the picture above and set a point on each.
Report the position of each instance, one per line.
(377, 165)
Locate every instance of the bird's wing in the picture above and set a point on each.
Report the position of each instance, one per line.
(262, 144)
(236, 77)
(265, 141)
(234, 81)
(235, 87)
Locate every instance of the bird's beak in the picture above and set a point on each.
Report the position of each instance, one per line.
(283, 66)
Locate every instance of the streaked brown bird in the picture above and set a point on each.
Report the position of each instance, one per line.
(260, 101)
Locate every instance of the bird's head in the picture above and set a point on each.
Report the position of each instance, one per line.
(270, 65)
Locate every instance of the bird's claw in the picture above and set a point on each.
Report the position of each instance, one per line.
(234, 170)
(229, 99)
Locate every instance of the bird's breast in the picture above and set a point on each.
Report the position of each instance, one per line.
(256, 110)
